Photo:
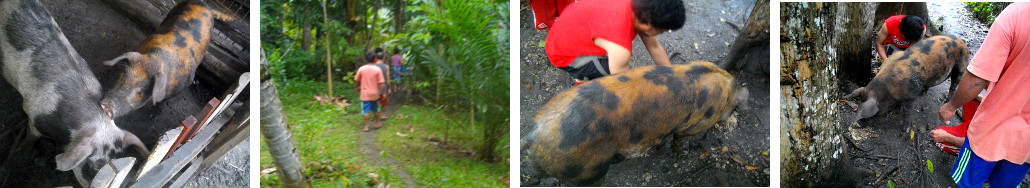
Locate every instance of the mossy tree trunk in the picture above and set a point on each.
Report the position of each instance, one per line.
(815, 39)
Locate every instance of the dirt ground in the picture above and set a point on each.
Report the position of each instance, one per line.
(99, 33)
(717, 157)
(884, 142)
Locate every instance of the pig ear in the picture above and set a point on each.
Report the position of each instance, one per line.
(160, 85)
(74, 156)
(868, 108)
(126, 55)
(134, 141)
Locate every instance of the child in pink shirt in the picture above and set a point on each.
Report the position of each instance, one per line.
(997, 145)
(370, 82)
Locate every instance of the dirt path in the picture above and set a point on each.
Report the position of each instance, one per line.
(372, 152)
(900, 139)
(719, 156)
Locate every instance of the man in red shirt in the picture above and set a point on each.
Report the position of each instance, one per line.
(592, 39)
(900, 31)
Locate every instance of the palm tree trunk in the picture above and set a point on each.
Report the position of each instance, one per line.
(278, 137)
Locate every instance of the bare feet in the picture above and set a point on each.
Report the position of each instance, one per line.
(379, 124)
(940, 135)
(366, 129)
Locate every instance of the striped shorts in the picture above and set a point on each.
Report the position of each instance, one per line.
(972, 171)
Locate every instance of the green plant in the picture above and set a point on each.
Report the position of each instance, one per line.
(987, 11)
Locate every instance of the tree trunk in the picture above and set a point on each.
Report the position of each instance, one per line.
(750, 50)
(816, 38)
(328, 49)
(375, 17)
(398, 16)
(277, 135)
(306, 40)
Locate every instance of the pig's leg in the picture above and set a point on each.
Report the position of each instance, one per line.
(678, 139)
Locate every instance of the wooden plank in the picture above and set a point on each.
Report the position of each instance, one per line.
(162, 149)
(163, 172)
(188, 173)
(112, 176)
(215, 149)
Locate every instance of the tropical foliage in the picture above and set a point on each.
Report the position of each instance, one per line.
(456, 49)
(987, 11)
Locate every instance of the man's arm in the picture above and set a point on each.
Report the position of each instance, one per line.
(880, 37)
(618, 56)
(357, 81)
(656, 50)
(970, 86)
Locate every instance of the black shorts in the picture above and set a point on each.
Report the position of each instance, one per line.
(588, 67)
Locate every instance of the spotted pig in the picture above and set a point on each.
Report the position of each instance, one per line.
(60, 95)
(906, 76)
(581, 131)
(166, 61)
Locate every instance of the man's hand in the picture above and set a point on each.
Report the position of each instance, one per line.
(656, 50)
(946, 112)
(970, 86)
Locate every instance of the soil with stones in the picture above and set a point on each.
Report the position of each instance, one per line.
(99, 32)
(718, 157)
(897, 145)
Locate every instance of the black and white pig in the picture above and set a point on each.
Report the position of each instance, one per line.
(581, 131)
(165, 62)
(61, 96)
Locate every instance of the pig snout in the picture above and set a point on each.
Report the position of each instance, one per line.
(579, 133)
(96, 144)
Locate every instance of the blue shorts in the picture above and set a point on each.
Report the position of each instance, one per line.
(972, 171)
(369, 106)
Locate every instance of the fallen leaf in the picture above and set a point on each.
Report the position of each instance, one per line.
(766, 153)
(401, 134)
(752, 167)
(267, 171)
(737, 158)
(890, 184)
(542, 43)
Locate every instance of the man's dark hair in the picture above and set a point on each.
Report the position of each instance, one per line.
(379, 50)
(396, 50)
(912, 28)
(661, 14)
(370, 57)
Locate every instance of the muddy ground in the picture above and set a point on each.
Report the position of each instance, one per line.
(98, 32)
(884, 142)
(717, 157)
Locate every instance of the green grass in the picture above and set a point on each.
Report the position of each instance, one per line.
(428, 159)
(331, 137)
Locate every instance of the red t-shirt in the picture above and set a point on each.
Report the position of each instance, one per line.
(894, 33)
(572, 34)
